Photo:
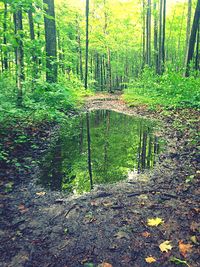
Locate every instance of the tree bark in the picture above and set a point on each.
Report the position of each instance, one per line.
(19, 55)
(87, 43)
(51, 43)
(5, 59)
(156, 37)
(189, 18)
(193, 38)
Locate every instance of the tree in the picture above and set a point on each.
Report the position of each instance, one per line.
(19, 51)
(193, 38)
(148, 34)
(189, 16)
(5, 60)
(51, 42)
(87, 44)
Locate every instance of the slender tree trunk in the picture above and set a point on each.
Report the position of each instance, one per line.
(87, 43)
(197, 50)
(189, 19)
(163, 36)
(19, 55)
(33, 52)
(156, 37)
(160, 56)
(148, 34)
(5, 59)
(193, 37)
(143, 36)
(51, 43)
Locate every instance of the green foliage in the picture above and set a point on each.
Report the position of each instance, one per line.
(171, 90)
(46, 102)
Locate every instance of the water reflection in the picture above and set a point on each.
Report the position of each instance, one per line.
(99, 147)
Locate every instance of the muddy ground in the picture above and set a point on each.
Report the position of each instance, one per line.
(108, 226)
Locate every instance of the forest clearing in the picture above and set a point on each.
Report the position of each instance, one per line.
(99, 136)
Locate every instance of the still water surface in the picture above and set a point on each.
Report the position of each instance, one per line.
(120, 146)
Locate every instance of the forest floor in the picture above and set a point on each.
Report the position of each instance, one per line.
(108, 226)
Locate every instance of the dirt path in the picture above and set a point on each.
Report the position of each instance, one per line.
(109, 225)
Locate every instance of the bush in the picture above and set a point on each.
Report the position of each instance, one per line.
(169, 90)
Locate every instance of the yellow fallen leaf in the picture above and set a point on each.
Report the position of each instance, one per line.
(41, 194)
(184, 248)
(154, 222)
(194, 239)
(165, 246)
(150, 260)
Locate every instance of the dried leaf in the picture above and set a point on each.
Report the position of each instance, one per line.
(184, 248)
(41, 194)
(105, 264)
(150, 260)
(165, 246)
(146, 234)
(22, 208)
(108, 204)
(155, 222)
(121, 234)
(194, 226)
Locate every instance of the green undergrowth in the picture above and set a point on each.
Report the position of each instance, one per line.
(171, 90)
(41, 101)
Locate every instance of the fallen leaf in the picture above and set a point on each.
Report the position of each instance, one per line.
(22, 208)
(150, 259)
(121, 235)
(155, 222)
(184, 248)
(94, 203)
(41, 194)
(194, 226)
(178, 261)
(108, 204)
(165, 246)
(105, 264)
(194, 239)
(146, 234)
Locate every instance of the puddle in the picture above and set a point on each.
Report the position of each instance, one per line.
(120, 146)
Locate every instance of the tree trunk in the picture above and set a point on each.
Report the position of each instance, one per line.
(51, 43)
(156, 37)
(189, 18)
(163, 35)
(33, 52)
(148, 34)
(19, 55)
(193, 37)
(5, 59)
(143, 36)
(87, 43)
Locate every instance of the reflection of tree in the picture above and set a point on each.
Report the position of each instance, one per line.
(51, 175)
(57, 167)
(144, 148)
(119, 144)
(106, 143)
(89, 150)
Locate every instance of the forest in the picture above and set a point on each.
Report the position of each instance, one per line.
(99, 133)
